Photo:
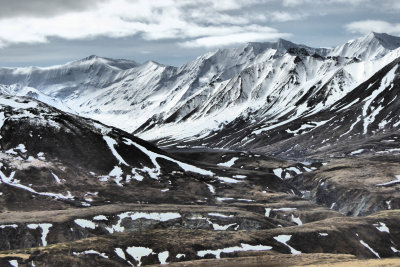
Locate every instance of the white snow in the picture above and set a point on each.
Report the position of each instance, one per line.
(13, 263)
(284, 209)
(2, 120)
(229, 163)
(211, 188)
(85, 223)
(111, 143)
(394, 249)
(45, 231)
(391, 182)
(215, 214)
(13, 182)
(388, 204)
(368, 247)
(296, 220)
(58, 181)
(323, 234)
(359, 151)
(224, 198)
(21, 147)
(239, 176)
(41, 156)
(278, 172)
(386, 81)
(153, 157)
(138, 252)
(228, 180)
(178, 256)
(100, 218)
(242, 247)
(267, 212)
(13, 102)
(120, 253)
(297, 171)
(32, 226)
(8, 225)
(163, 256)
(284, 239)
(158, 216)
(117, 173)
(91, 251)
(382, 227)
(218, 227)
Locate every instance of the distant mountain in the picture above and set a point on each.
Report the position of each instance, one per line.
(370, 47)
(260, 84)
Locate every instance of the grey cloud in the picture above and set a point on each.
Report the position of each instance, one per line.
(43, 8)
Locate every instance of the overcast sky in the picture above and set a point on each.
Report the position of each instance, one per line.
(47, 32)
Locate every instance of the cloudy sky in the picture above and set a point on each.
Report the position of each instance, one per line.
(47, 32)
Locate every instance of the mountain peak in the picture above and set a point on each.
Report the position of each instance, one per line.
(117, 63)
(371, 46)
(386, 40)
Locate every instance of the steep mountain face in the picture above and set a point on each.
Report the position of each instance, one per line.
(257, 80)
(373, 46)
(365, 114)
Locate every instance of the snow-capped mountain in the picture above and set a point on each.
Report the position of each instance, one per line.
(74, 191)
(373, 46)
(263, 85)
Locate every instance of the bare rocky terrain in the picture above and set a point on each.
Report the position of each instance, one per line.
(75, 192)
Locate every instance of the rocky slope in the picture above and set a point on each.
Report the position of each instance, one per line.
(75, 192)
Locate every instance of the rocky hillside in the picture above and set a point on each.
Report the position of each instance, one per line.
(272, 154)
(75, 192)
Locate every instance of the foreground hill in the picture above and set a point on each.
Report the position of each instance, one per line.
(75, 192)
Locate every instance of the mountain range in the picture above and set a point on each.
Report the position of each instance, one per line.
(274, 153)
(256, 85)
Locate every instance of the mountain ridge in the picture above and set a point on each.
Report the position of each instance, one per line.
(250, 79)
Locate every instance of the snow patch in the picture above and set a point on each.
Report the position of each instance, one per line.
(229, 163)
(163, 256)
(267, 212)
(120, 253)
(228, 180)
(296, 220)
(58, 181)
(85, 223)
(100, 218)
(211, 188)
(391, 182)
(111, 143)
(242, 247)
(370, 249)
(215, 214)
(138, 252)
(13, 263)
(284, 239)
(382, 227)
